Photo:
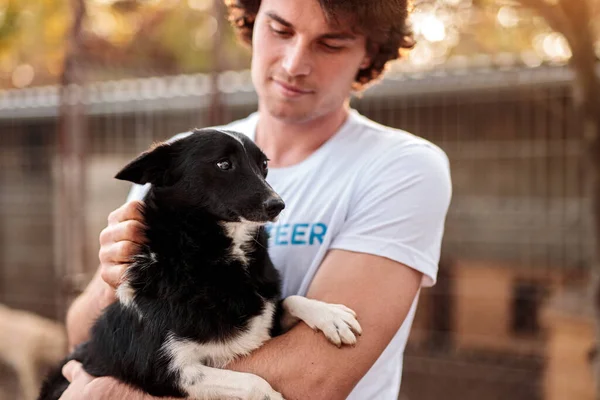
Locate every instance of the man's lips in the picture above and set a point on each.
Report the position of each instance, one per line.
(292, 89)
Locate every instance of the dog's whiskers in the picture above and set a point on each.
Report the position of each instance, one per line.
(257, 242)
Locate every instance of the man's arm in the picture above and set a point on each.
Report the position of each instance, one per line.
(119, 241)
(86, 308)
(302, 364)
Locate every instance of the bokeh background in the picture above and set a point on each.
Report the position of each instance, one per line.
(509, 89)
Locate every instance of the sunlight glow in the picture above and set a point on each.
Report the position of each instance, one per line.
(531, 59)
(556, 47)
(508, 17)
(200, 5)
(204, 32)
(433, 29)
(421, 55)
(102, 23)
(23, 75)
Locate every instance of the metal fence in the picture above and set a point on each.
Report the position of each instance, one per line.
(519, 213)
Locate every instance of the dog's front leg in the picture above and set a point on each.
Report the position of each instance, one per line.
(206, 383)
(336, 321)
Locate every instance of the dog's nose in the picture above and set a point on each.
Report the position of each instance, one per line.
(273, 206)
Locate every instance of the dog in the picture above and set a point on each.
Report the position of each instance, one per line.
(30, 344)
(203, 290)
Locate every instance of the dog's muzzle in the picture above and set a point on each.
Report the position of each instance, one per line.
(273, 207)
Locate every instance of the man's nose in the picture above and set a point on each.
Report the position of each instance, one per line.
(297, 59)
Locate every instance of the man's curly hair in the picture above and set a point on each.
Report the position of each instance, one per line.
(383, 22)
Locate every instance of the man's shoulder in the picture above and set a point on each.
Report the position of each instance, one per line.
(388, 142)
(244, 125)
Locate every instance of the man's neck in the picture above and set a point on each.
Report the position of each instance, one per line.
(287, 143)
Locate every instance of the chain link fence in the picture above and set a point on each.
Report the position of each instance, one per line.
(518, 229)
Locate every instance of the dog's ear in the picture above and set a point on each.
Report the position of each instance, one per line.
(154, 166)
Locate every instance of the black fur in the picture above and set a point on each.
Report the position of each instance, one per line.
(184, 279)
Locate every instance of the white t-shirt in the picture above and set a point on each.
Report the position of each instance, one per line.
(370, 189)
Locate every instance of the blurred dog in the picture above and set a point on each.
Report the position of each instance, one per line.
(29, 344)
(203, 290)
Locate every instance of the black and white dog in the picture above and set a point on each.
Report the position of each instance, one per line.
(203, 290)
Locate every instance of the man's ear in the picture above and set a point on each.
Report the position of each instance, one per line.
(372, 50)
(365, 62)
(154, 166)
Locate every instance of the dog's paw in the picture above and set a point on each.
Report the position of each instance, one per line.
(271, 396)
(266, 396)
(336, 321)
(261, 390)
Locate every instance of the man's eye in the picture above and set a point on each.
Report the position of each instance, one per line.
(224, 164)
(280, 33)
(332, 48)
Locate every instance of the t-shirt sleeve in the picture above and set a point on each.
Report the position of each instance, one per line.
(399, 208)
(137, 192)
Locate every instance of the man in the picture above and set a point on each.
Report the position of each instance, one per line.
(365, 204)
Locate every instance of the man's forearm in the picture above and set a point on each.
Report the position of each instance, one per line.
(301, 364)
(86, 308)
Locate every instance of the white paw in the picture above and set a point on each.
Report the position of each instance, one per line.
(261, 390)
(273, 395)
(336, 321)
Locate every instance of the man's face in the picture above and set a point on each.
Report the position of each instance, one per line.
(303, 67)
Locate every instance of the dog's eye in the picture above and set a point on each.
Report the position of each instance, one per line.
(265, 165)
(224, 165)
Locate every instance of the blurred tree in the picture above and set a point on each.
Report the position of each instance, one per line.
(578, 22)
(447, 30)
(537, 31)
(32, 40)
(71, 140)
(121, 38)
(452, 32)
(160, 37)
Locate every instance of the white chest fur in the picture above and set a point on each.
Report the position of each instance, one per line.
(240, 234)
(186, 354)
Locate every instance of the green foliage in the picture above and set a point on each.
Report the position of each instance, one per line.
(494, 28)
(32, 32)
(127, 38)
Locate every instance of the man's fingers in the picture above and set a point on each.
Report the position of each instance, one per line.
(113, 274)
(71, 369)
(131, 230)
(118, 253)
(130, 210)
(79, 381)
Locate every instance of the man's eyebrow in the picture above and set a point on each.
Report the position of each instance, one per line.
(339, 36)
(333, 35)
(277, 18)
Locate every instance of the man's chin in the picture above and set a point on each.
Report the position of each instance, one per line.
(289, 113)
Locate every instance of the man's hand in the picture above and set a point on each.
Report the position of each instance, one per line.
(85, 387)
(120, 240)
(79, 379)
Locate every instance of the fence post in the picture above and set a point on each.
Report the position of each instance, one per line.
(70, 174)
